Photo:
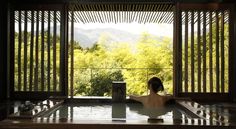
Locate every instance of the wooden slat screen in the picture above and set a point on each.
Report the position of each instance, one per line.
(71, 56)
(205, 51)
(37, 51)
(122, 13)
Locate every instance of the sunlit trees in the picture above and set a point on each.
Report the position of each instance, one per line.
(96, 67)
(108, 61)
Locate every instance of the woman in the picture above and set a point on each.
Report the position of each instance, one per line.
(153, 100)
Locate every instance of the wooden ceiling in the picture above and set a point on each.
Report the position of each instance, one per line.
(123, 13)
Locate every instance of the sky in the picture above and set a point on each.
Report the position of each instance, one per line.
(136, 28)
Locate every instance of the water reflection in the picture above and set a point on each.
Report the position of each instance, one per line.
(130, 111)
(169, 111)
(118, 110)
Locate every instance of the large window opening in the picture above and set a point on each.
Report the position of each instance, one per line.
(129, 52)
(129, 43)
(80, 50)
(105, 43)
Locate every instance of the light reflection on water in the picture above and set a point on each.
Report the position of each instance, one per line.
(130, 111)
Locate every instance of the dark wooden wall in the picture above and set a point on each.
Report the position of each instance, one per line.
(3, 50)
(232, 61)
(4, 33)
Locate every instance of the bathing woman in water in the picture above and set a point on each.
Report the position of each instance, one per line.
(153, 100)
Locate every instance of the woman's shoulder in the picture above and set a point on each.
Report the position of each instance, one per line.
(138, 98)
(169, 99)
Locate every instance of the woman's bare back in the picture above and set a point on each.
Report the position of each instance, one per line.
(152, 101)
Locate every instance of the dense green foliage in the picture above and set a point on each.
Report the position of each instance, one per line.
(96, 67)
(104, 62)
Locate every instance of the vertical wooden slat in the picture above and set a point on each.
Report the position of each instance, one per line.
(217, 53)
(54, 50)
(72, 55)
(222, 54)
(192, 52)
(9, 88)
(65, 87)
(31, 51)
(210, 53)
(19, 53)
(232, 55)
(64, 52)
(204, 52)
(186, 53)
(177, 51)
(42, 51)
(199, 50)
(25, 51)
(36, 52)
(48, 51)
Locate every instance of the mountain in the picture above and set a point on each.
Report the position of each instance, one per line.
(88, 37)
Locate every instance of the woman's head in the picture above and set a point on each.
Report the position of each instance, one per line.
(156, 84)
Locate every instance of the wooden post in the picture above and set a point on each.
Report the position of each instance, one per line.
(10, 52)
(177, 49)
(232, 54)
(64, 52)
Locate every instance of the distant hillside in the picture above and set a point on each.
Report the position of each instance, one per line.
(88, 37)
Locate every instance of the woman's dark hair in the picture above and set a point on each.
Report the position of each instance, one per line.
(156, 84)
